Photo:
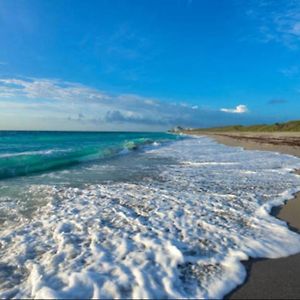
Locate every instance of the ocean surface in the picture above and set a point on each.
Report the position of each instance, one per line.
(136, 215)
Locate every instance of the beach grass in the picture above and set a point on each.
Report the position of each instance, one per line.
(291, 126)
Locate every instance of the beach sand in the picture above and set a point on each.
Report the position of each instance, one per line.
(270, 278)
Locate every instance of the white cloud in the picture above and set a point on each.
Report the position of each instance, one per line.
(47, 89)
(290, 71)
(295, 29)
(276, 21)
(240, 109)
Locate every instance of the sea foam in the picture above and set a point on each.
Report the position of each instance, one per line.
(179, 235)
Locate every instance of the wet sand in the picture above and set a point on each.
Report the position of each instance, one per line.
(270, 278)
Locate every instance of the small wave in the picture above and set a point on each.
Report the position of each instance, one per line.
(212, 163)
(30, 153)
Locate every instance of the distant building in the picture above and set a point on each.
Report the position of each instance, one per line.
(177, 129)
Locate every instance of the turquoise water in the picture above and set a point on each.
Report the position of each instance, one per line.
(26, 153)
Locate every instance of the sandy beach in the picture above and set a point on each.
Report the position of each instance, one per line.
(270, 278)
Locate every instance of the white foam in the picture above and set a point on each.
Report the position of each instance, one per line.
(29, 153)
(179, 236)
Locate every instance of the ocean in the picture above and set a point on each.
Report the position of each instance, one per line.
(136, 215)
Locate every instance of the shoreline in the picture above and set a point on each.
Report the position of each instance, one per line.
(273, 278)
(269, 278)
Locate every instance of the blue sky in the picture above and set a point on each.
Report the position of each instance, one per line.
(148, 65)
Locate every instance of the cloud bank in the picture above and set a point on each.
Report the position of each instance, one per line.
(277, 101)
(76, 106)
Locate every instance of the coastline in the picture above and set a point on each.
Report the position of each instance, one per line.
(269, 278)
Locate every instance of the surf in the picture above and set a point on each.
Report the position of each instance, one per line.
(179, 232)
